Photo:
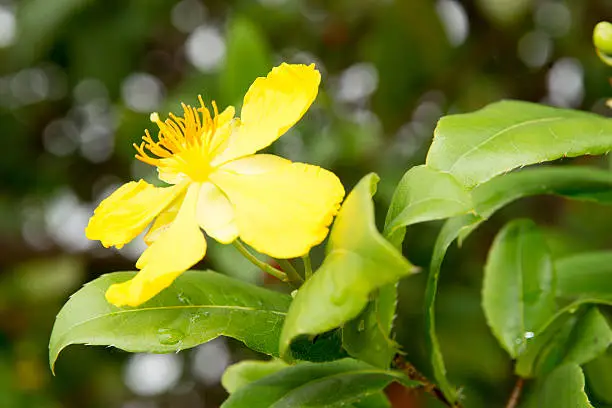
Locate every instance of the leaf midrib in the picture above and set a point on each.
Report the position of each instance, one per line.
(500, 132)
(119, 312)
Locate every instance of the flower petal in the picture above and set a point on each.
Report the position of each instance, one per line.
(284, 211)
(271, 106)
(215, 214)
(176, 249)
(163, 221)
(125, 213)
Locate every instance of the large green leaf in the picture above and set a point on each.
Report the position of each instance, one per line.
(367, 337)
(424, 194)
(245, 372)
(564, 388)
(475, 147)
(247, 58)
(196, 308)
(518, 294)
(359, 261)
(586, 277)
(332, 384)
(571, 338)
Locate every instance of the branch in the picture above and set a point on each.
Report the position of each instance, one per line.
(432, 389)
(516, 393)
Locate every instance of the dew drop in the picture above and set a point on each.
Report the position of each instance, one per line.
(529, 335)
(183, 299)
(169, 337)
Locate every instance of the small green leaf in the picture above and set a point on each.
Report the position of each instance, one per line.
(475, 147)
(359, 261)
(586, 277)
(519, 285)
(196, 308)
(564, 388)
(367, 337)
(245, 372)
(571, 338)
(247, 57)
(591, 338)
(333, 384)
(424, 194)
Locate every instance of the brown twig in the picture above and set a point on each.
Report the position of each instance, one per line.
(432, 389)
(516, 393)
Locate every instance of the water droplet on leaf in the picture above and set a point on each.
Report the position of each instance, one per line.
(169, 337)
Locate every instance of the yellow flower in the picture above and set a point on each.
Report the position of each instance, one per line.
(218, 184)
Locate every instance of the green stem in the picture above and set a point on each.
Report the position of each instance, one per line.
(307, 266)
(261, 265)
(292, 274)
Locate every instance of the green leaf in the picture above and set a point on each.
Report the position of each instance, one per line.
(197, 307)
(475, 147)
(247, 58)
(449, 232)
(586, 277)
(582, 183)
(424, 194)
(378, 400)
(359, 261)
(599, 378)
(572, 338)
(564, 388)
(578, 183)
(591, 337)
(518, 294)
(333, 384)
(367, 337)
(245, 372)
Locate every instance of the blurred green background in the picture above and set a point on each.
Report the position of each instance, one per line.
(78, 79)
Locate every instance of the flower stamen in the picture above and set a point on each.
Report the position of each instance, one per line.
(187, 140)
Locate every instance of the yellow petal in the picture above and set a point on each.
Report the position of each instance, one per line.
(177, 249)
(215, 214)
(271, 106)
(163, 221)
(124, 214)
(256, 164)
(283, 211)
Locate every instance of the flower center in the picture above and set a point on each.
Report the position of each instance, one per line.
(185, 145)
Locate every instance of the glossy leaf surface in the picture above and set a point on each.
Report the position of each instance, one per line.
(245, 372)
(572, 338)
(198, 307)
(332, 384)
(475, 147)
(564, 388)
(424, 194)
(518, 294)
(359, 261)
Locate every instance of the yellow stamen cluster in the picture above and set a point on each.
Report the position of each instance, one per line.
(178, 134)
